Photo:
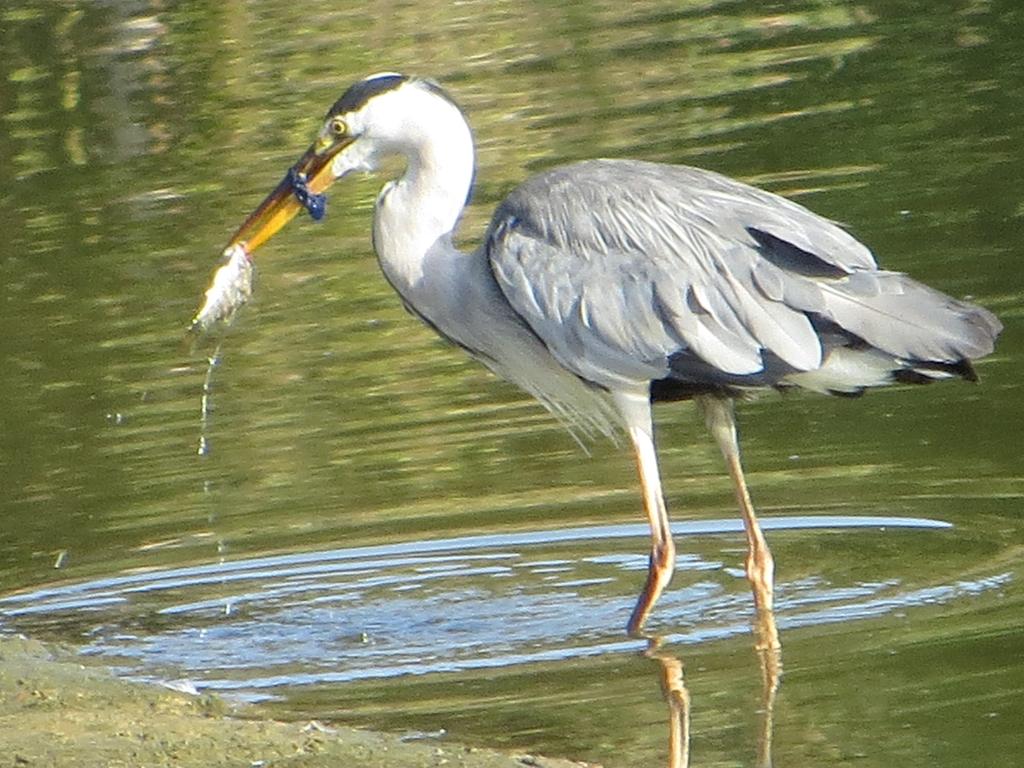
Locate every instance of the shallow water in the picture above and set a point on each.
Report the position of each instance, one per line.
(443, 605)
(382, 533)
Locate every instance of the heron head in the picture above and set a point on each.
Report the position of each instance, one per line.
(384, 114)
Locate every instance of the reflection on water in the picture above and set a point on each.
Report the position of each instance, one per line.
(311, 626)
(677, 695)
(292, 562)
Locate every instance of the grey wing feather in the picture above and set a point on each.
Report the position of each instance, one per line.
(632, 271)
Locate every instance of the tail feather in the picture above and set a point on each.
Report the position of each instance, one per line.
(909, 320)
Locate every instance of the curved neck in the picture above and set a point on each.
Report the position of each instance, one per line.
(416, 215)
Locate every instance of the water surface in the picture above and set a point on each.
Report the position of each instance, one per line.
(326, 556)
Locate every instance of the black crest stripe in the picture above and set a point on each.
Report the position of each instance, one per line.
(360, 93)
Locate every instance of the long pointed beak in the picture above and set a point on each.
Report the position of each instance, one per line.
(283, 203)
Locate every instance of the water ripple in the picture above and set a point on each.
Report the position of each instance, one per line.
(257, 626)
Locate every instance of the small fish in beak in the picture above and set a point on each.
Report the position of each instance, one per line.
(232, 286)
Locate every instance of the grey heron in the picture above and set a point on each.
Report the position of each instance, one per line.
(606, 285)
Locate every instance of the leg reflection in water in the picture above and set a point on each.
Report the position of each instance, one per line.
(769, 654)
(677, 695)
(673, 687)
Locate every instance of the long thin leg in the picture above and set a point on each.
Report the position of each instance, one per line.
(760, 567)
(636, 412)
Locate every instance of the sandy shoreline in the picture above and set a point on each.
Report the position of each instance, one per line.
(56, 710)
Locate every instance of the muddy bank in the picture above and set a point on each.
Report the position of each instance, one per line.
(56, 710)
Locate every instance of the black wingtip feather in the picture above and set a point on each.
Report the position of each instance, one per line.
(917, 372)
(791, 258)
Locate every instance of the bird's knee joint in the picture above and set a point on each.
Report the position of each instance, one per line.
(663, 555)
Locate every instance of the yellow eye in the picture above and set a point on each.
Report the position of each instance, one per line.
(337, 126)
